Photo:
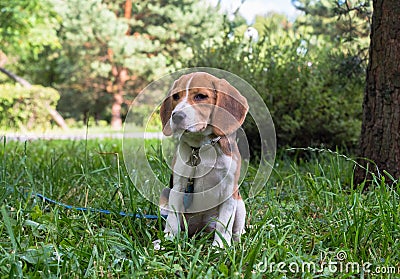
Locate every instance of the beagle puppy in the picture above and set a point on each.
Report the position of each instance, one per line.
(204, 112)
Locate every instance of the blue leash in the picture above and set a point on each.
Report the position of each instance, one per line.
(103, 211)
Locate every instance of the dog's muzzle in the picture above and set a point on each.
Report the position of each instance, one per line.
(178, 116)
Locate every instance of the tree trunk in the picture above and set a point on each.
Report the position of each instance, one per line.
(57, 117)
(128, 13)
(116, 120)
(16, 78)
(117, 90)
(380, 133)
(120, 75)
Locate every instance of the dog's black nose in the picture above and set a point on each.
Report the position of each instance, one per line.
(178, 116)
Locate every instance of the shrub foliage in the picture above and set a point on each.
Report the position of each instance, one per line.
(26, 108)
(313, 91)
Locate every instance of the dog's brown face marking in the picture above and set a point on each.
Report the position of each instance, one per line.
(194, 96)
(198, 100)
(192, 109)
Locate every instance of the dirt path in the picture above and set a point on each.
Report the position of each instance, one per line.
(78, 136)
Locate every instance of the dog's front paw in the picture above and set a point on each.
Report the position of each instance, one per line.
(221, 242)
(222, 239)
(218, 244)
(169, 236)
(157, 244)
(236, 235)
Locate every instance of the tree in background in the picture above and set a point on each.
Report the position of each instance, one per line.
(344, 24)
(27, 28)
(380, 135)
(342, 20)
(115, 47)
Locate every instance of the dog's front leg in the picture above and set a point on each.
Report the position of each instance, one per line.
(226, 218)
(175, 205)
(173, 222)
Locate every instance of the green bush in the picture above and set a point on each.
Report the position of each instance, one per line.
(314, 92)
(26, 108)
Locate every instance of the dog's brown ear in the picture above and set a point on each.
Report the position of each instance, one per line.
(230, 110)
(167, 108)
(165, 114)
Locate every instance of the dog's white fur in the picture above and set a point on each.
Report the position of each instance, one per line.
(208, 108)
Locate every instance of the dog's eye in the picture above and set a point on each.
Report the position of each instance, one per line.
(175, 97)
(200, 97)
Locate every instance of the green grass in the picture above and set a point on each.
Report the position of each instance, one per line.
(307, 214)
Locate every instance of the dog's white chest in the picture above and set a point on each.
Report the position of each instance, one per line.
(213, 166)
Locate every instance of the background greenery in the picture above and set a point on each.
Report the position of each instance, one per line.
(309, 70)
(311, 93)
(26, 108)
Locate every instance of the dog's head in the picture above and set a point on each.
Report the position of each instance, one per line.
(202, 103)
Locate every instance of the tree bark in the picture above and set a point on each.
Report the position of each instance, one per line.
(128, 13)
(380, 133)
(117, 90)
(57, 118)
(16, 78)
(120, 75)
(116, 120)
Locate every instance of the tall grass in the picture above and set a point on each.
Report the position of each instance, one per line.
(308, 215)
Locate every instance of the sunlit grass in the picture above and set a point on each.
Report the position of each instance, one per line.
(309, 212)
